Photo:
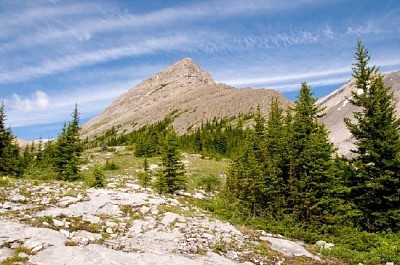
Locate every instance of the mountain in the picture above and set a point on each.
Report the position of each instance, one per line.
(337, 107)
(183, 88)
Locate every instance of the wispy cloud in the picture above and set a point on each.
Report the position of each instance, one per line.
(88, 58)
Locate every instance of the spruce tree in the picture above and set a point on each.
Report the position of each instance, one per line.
(312, 163)
(68, 150)
(375, 186)
(245, 180)
(275, 148)
(172, 177)
(9, 150)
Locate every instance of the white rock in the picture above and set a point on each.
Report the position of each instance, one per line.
(14, 245)
(198, 195)
(65, 233)
(320, 243)
(389, 263)
(58, 223)
(111, 224)
(171, 217)
(144, 209)
(91, 219)
(23, 255)
(329, 245)
(84, 241)
(17, 198)
(5, 253)
(109, 230)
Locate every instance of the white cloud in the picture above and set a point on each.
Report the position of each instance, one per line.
(39, 100)
(89, 58)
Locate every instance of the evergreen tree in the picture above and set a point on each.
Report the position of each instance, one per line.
(245, 180)
(312, 163)
(68, 149)
(275, 147)
(9, 150)
(172, 177)
(375, 187)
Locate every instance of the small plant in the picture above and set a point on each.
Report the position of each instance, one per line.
(220, 247)
(4, 182)
(210, 183)
(110, 166)
(144, 177)
(47, 219)
(70, 243)
(96, 179)
(15, 258)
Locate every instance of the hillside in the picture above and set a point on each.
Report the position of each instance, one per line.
(184, 88)
(337, 107)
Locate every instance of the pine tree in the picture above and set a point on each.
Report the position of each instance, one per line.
(375, 187)
(172, 177)
(275, 147)
(68, 150)
(9, 150)
(312, 163)
(245, 180)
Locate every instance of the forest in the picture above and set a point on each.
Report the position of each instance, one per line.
(284, 175)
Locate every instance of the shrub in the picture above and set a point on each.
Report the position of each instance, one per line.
(110, 166)
(96, 179)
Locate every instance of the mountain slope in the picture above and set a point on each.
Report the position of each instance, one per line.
(337, 107)
(182, 87)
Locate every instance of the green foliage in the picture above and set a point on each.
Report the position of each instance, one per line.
(216, 138)
(145, 177)
(375, 185)
(10, 163)
(68, 149)
(110, 165)
(172, 177)
(210, 183)
(96, 178)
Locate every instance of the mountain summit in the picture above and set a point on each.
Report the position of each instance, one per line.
(183, 88)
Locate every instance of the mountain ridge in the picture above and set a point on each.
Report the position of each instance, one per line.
(182, 87)
(337, 107)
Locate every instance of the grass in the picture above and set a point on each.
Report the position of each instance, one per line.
(15, 258)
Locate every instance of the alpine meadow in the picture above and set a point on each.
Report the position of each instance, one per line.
(212, 174)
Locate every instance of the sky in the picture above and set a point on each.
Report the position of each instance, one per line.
(55, 53)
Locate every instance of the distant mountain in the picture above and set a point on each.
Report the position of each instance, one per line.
(183, 88)
(337, 107)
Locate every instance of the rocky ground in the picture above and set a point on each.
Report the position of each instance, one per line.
(66, 223)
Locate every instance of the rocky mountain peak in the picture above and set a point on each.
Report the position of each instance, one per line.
(182, 73)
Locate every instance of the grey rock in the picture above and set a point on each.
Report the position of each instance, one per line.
(58, 223)
(111, 224)
(144, 209)
(289, 248)
(5, 253)
(17, 198)
(329, 245)
(91, 219)
(320, 243)
(23, 255)
(14, 245)
(65, 233)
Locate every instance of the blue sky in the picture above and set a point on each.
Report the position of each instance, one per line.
(58, 53)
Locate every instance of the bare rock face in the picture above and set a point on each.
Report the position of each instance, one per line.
(337, 107)
(183, 88)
